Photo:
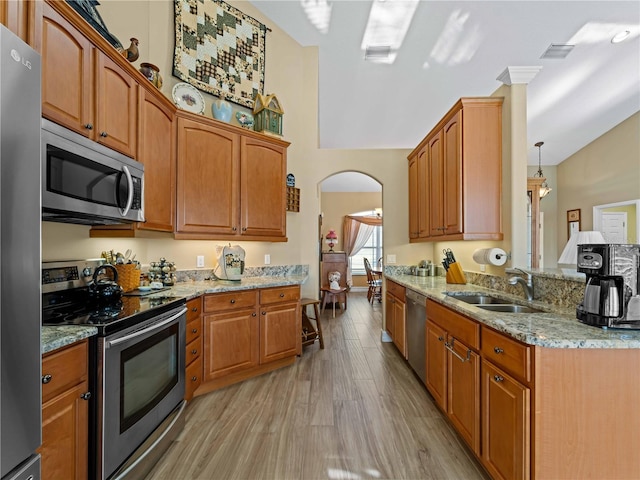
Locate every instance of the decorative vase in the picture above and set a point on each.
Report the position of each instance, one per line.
(152, 73)
(245, 120)
(221, 110)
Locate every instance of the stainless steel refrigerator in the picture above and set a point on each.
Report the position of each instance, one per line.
(20, 264)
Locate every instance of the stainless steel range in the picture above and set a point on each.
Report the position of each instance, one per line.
(137, 366)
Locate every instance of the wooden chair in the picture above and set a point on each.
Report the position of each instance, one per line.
(375, 283)
(334, 296)
(310, 333)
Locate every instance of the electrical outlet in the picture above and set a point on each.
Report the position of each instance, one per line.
(483, 267)
(391, 259)
(200, 261)
(267, 259)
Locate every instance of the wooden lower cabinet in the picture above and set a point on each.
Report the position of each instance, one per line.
(193, 353)
(395, 308)
(65, 413)
(505, 424)
(249, 332)
(436, 358)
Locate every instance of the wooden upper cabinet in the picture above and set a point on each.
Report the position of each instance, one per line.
(262, 186)
(76, 76)
(460, 192)
(116, 97)
(231, 184)
(67, 76)
(207, 187)
(14, 16)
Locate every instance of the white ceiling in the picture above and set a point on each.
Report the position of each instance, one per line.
(571, 102)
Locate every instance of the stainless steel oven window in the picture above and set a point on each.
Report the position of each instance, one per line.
(148, 372)
(116, 445)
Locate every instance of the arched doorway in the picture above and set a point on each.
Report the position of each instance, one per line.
(343, 194)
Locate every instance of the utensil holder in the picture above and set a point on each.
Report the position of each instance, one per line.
(128, 276)
(455, 274)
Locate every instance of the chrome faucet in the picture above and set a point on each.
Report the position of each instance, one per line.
(527, 284)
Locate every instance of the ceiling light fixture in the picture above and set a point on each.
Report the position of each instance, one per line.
(621, 36)
(544, 188)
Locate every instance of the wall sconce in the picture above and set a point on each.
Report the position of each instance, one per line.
(331, 239)
(544, 188)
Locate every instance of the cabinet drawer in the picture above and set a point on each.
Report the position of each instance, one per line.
(458, 326)
(193, 351)
(193, 378)
(396, 290)
(279, 295)
(63, 369)
(194, 329)
(509, 354)
(228, 301)
(194, 308)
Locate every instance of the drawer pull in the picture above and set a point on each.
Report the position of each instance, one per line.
(253, 314)
(282, 295)
(104, 134)
(264, 313)
(194, 330)
(194, 351)
(449, 346)
(440, 338)
(86, 396)
(194, 309)
(46, 378)
(232, 301)
(498, 378)
(194, 379)
(88, 126)
(498, 350)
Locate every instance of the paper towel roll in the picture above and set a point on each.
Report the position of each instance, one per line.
(490, 256)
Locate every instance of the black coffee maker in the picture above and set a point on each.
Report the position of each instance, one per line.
(611, 295)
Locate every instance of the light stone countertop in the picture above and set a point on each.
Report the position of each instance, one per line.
(554, 328)
(55, 337)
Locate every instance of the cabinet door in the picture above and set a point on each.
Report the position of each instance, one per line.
(505, 425)
(116, 104)
(436, 193)
(231, 343)
(413, 198)
(399, 321)
(389, 313)
(423, 193)
(156, 150)
(207, 186)
(67, 82)
(452, 176)
(263, 194)
(437, 363)
(65, 435)
(463, 394)
(14, 15)
(279, 332)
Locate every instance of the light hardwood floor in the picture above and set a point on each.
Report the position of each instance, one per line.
(354, 410)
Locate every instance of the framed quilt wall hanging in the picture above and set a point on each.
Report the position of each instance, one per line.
(219, 50)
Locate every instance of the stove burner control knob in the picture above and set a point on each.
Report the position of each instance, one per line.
(86, 272)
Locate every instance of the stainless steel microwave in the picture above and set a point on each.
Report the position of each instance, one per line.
(87, 183)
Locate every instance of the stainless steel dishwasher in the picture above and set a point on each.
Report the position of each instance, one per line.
(416, 323)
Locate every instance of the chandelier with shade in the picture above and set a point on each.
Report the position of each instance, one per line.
(544, 187)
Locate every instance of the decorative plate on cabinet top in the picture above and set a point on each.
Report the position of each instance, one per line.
(188, 98)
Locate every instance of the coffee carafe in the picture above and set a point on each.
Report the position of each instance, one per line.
(611, 294)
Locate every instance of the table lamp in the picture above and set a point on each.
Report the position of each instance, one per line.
(570, 253)
(331, 239)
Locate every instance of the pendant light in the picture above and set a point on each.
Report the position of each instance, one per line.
(544, 188)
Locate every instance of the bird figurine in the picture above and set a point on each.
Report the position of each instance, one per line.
(132, 53)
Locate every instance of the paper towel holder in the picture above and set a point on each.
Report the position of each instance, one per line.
(498, 253)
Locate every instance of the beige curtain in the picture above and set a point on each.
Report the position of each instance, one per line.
(356, 231)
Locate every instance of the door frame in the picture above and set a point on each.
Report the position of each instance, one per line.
(598, 209)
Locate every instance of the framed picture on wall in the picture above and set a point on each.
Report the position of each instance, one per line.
(573, 222)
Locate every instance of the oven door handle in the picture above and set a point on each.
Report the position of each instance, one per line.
(127, 174)
(150, 328)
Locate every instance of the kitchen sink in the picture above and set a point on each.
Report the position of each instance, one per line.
(510, 308)
(476, 298)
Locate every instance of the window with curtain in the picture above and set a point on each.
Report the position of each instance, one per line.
(372, 250)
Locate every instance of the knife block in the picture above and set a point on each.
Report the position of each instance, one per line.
(455, 274)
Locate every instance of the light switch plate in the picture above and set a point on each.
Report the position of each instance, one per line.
(200, 261)
(267, 259)
(391, 259)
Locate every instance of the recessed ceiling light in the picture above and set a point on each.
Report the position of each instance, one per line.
(620, 36)
(558, 51)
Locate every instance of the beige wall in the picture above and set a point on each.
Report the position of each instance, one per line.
(605, 171)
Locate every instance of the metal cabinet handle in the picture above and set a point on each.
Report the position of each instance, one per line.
(264, 313)
(194, 330)
(86, 396)
(235, 229)
(46, 378)
(88, 126)
(194, 379)
(104, 134)
(498, 378)
(498, 350)
(244, 229)
(194, 352)
(253, 314)
(449, 346)
(194, 309)
(440, 338)
(282, 295)
(232, 301)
